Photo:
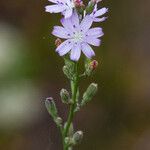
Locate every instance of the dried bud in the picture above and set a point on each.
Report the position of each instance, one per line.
(51, 107)
(77, 137)
(58, 42)
(89, 93)
(65, 97)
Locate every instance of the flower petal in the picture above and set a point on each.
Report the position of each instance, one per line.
(86, 23)
(60, 32)
(87, 50)
(54, 8)
(54, 1)
(101, 12)
(93, 41)
(67, 24)
(95, 32)
(100, 19)
(75, 52)
(65, 47)
(67, 13)
(75, 20)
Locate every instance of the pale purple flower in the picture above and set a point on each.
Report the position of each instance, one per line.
(61, 6)
(78, 36)
(97, 13)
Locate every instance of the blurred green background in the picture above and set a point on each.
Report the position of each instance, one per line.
(119, 116)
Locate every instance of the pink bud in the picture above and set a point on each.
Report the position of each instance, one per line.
(94, 64)
(58, 42)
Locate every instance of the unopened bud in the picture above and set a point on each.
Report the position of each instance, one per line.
(67, 141)
(58, 121)
(58, 42)
(93, 64)
(90, 7)
(77, 137)
(90, 67)
(89, 93)
(67, 72)
(79, 6)
(51, 107)
(65, 97)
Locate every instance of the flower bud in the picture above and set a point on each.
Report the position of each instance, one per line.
(58, 121)
(90, 7)
(58, 42)
(77, 137)
(51, 107)
(69, 68)
(78, 3)
(67, 72)
(89, 93)
(65, 97)
(90, 67)
(67, 141)
(93, 64)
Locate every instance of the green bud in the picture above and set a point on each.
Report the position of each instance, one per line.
(65, 97)
(51, 107)
(77, 137)
(68, 72)
(69, 68)
(89, 93)
(90, 7)
(68, 141)
(58, 121)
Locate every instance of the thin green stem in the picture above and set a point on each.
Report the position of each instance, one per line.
(63, 138)
(74, 89)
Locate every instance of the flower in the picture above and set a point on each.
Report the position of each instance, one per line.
(97, 13)
(63, 6)
(78, 36)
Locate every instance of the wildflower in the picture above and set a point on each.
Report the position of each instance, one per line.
(97, 13)
(61, 6)
(78, 36)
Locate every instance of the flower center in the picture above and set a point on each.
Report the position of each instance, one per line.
(78, 36)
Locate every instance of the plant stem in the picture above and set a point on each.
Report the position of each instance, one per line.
(63, 137)
(74, 88)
